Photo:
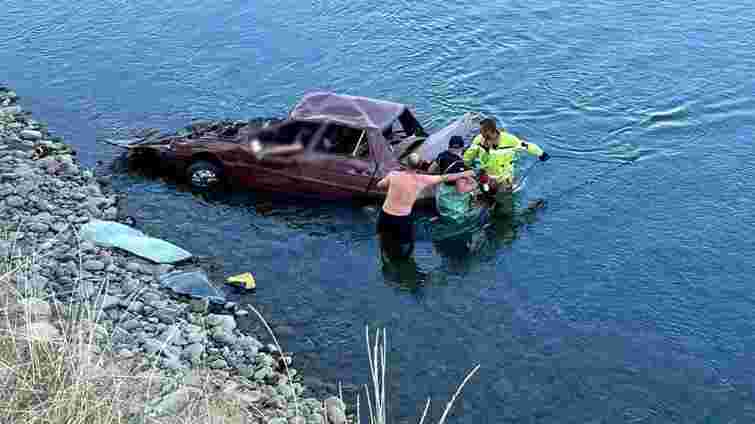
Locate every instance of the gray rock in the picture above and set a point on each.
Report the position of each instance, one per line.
(168, 316)
(38, 227)
(59, 226)
(129, 286)
(199, 305)
(109, 302)
(94, 265)
(31, 135)
(135, 307)
(173, 335)
(114, 314)
(172, 362)
(44, 205)
(220, 336)
(134, 267)
(151, 298)
(110, 214)
(5, 247)
(249, 343)
(44, 217)
(153, 346)
(25, 189)
(121, 337)
(227, 322)
(15, 201)
(10, 110)
(194, 350)
(131, 325)
(218, 364)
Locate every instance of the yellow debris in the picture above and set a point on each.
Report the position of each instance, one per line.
(245, 280)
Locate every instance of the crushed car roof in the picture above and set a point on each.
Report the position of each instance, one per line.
(353, 111)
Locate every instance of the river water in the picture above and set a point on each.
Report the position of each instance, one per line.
(628, 299)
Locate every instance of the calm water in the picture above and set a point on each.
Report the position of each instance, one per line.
(629, 299)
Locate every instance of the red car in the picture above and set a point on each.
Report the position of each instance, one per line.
(331, 146)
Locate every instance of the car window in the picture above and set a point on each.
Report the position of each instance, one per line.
(344, 141)
(289, 133)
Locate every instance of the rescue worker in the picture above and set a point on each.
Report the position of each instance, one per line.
(395, 226)
(497, 150)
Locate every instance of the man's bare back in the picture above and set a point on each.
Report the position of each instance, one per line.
(403, 188)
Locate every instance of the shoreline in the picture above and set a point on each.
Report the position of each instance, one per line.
(45, 199)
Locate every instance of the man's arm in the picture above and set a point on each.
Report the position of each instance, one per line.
(385, 182)
(437, 179)
(531, 148)
(471, 154)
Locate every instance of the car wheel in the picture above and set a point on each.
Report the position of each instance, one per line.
(204, 175)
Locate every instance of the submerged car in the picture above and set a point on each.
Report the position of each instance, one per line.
(330, 146)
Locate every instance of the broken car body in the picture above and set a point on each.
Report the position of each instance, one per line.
(330, 146)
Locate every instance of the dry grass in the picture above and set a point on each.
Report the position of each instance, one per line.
(376, 355)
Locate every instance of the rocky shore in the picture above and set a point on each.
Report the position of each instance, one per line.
(45, 198)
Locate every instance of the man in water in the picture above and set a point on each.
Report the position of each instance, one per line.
(447, 158)
(395, 226)
(496, 150)
(455, 201)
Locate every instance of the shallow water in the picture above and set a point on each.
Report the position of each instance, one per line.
(628, 299)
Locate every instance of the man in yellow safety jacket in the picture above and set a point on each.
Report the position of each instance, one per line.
(496, 151)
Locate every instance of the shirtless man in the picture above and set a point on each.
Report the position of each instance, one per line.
(395, 225)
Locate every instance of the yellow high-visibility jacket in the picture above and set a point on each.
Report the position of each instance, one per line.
(499, 162)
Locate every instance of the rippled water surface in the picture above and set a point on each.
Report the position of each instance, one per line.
(628, 299)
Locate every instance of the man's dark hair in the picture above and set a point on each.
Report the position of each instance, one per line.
(488, 124)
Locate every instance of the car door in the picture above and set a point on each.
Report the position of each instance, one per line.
(339, 164)
(272, 172)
